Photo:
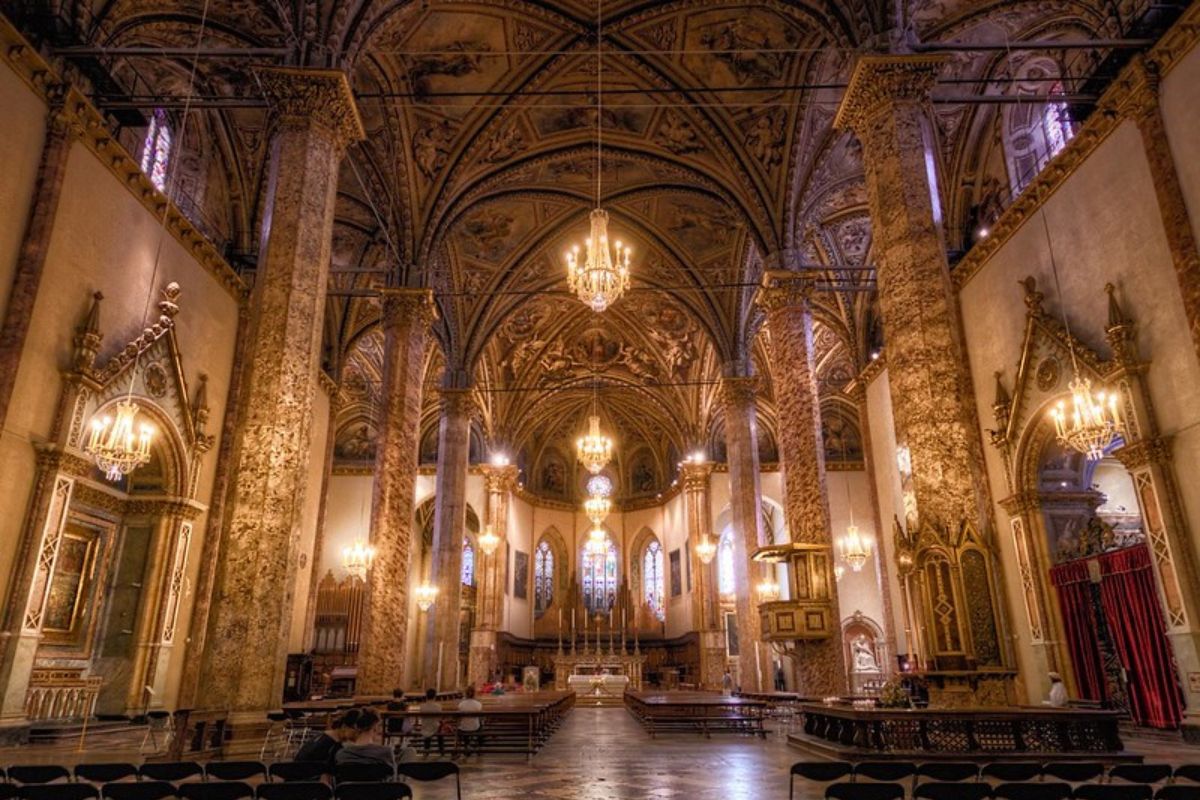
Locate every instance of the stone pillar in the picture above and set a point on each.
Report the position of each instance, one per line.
(745, 498)
(61, 130)
(945, 492)
(313, 118)
(695, 476)
(1146, 111)
(500, 482)
(318, 547)
(407, 314)
(787, 300)
(440, 657)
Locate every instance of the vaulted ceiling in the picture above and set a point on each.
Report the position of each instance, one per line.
(478, 171)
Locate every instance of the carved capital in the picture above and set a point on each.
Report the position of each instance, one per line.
(695, 475)
(785, 290)
(312, 98)
(456, 402)
(1020, 503)
(499, 479)
(879, 82)
(1144, 453)
(407, 307)
(739, 391)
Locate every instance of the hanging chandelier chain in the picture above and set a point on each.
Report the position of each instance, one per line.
(599, 97)
(1062, 303)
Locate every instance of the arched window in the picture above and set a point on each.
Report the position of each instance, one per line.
(1036, 131)
(725, 564)
(468, 563)
(600, 580)
(543, 577)
(652, 579)
(156, 152)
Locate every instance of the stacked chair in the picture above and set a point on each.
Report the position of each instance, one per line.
(1066, 780)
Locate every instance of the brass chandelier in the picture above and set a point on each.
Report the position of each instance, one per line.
(114, 446)
(599, 275)
(596, 508)
(357, 559)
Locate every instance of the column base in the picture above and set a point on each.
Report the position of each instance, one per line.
(480, 663)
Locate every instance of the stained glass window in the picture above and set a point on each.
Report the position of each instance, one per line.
(156, 152)
(468, 563)
(600, 580)
(725, 564)
(652, 577)
(543, 577)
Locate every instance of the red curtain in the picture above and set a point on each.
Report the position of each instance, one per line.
(1134, 614)
(1071, 580)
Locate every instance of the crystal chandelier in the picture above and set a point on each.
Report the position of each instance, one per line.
(601, 276)
(597, 543)
(596, 508)
(1093, 421)
(426, 594)
(357, 559)
(114, 446)
(706, 550)
(594, 450)
(838, 572)
(488, 541)
(854, 548)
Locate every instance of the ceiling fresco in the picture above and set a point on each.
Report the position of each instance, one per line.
(478, 171)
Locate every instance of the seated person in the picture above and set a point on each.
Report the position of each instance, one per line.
(429, 727)
(469, 727)
(361, 745)
(325, 747)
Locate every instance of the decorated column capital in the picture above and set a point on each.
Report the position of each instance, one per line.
(739, 390)
(312, 98)
(695, 475)
(878, 82)
(782, 289)
(456, 402)
(499, 479)
(407, 306)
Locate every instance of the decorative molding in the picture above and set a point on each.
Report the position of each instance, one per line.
(879, 81)
(306, 98)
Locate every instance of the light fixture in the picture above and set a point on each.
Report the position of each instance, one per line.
(599, 485)
(114, 446)
(594, 450)
(596, 508)
(601, 276)
(499, 460)
(1094, 421)
(425, 595)
(768, 591)
(357, 559)
(706, 549)
(854, 548)
(597, 534)
(597, 543)
(838, 572)
(488, 541)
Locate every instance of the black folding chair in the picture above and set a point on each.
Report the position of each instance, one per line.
(952, 790)
(1140, 773)
(58, 791)
(1114, 791)
(142, 790)
(1053, 790)
(1011, 771)
(1188, 772)
(425, 771)
(948, 771)
(104, 773)
(7, 791)
(362, 773)
(235, 770)
(817, 772)
(864, 791)
(37, 773)
(216, 790)
(171, 771)
(298, 770)
(373, 791)
(296, 790)
(1074, 771)
(1178, 792)
(884, 770)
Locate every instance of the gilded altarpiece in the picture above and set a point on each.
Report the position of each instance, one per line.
(1023, 434)
(95, 604)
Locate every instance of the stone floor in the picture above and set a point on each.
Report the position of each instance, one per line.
(603, 754)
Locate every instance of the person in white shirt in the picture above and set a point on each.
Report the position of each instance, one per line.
(429, 727)
(469, 727)
(1058, 691)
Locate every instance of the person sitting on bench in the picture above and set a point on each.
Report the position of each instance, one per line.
(469, 727)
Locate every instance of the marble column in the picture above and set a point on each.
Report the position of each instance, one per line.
(312, 120)
(499, 482)
(1146, 110)
(695, 477)
(440, 658)
(787, 299)
(62, 127)
(407, 314)
(745, 498)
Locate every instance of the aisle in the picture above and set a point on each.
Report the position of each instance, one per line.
(603, 754)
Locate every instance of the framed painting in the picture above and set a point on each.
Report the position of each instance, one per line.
(676, 573)
(520, 575)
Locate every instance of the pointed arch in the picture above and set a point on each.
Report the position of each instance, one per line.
(551, 571)
(647, 571)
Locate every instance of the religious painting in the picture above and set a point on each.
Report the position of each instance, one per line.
(520, 575)
(676, 574)
(642, 475)
(731, 635)
(72, 574)
(553, 474)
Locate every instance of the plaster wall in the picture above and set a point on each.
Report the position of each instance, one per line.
(20, 153)
(888, 491)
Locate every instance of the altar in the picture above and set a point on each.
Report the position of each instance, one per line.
(598, 678)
